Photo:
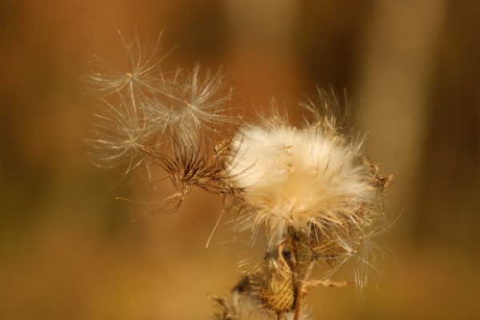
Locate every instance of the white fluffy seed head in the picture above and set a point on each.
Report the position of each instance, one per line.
(148, 109)
(298, 177)
(192, 102)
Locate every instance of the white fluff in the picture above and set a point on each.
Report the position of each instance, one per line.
(294, 177)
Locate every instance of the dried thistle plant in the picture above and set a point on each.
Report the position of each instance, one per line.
(309, 189)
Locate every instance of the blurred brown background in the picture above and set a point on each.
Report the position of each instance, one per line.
(69, 250)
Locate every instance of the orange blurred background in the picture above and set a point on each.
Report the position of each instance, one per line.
(69, 250)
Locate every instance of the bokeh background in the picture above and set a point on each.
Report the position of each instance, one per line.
(69, 250)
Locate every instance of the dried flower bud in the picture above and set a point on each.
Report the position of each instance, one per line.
(268, 292)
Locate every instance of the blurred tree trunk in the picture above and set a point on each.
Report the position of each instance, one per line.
(448, 199)
(394, 87)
